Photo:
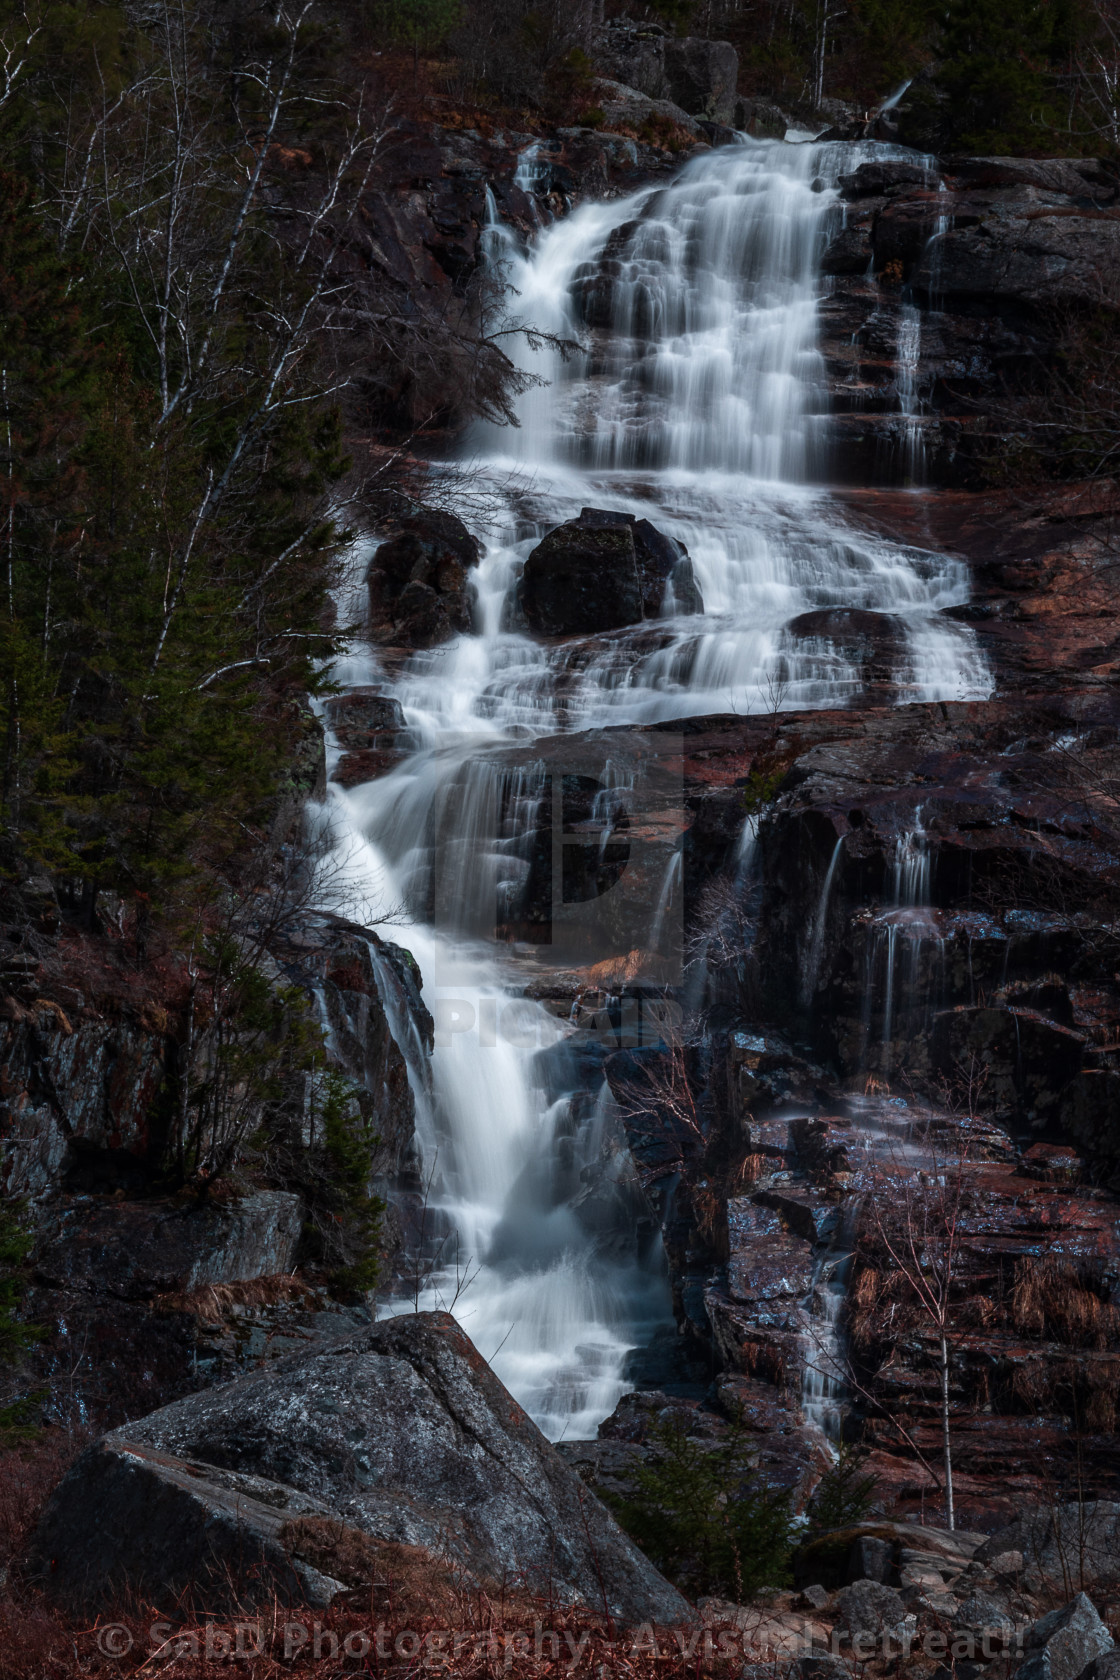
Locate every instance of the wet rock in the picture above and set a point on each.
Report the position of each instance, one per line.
(363, 717)
(371, 727)
(370, 991)
(873, 642)
(1042, 259)
(849, 253)
(405, 1434)
(134, 1250)
(871, 179)
(701, 76)
(1090, 1113)
(1030, 1060)
(581, 580)
(419, 580)
(1063, 1643)
(602, 571)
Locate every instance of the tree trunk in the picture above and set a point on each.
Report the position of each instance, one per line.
(946, 1448)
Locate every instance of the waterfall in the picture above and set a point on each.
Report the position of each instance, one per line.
(694, 399)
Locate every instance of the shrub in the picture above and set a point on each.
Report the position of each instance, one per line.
(844, 1494)
(707, 1518)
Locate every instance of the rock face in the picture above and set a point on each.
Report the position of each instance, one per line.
(994, 253)
(401, 1431)
(601, 572)
(134, 1250)
(418, 580)
(74, 1090)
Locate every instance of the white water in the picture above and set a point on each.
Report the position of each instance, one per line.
(698, 405)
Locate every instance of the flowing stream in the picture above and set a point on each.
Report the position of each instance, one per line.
(696, 401)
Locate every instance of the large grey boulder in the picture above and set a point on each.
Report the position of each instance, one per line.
(1065, 1642)
(135, 1250)
(627, 107)
(403, 1433)
(701, 76)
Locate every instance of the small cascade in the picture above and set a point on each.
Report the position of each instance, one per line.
(904, 951)
(823, 1386)
(908, 355)
(819, 926)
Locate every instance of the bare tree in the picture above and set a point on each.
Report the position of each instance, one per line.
(916, 1215)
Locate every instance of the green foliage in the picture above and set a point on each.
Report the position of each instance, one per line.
(351, 1144)
(16, 1336)
(327, 1151)
(421, 25)
(992, 87)
(166, 561)
(845, 1493)
(760, 789)
(705, 1516)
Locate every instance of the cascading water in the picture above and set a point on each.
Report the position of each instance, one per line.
(696, 401)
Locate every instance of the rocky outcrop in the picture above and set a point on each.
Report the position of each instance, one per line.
(400, 1432)
(601, 572)
(180, 1533)
(136, 1250)
(74, 1091)
(370, 728)
(698, 75)
(995, 255)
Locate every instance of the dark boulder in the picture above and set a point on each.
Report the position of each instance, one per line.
(603, 571)
(131, 1520)
(871, 179)
(419, 580)
(369, 725)
(760, 118)
(701, 75)
(1063, 1644)
(400, 1431)
(1029, 1059)
(868, 1608)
